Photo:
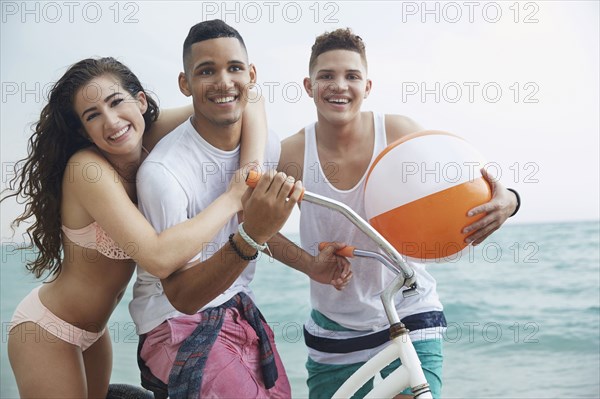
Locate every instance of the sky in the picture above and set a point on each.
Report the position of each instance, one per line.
(518, 80)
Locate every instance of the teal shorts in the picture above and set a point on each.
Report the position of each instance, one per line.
(325, 379)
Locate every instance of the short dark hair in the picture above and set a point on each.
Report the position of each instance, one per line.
(207, 30)
(339, 39)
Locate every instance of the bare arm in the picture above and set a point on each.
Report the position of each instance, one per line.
(497, 210)
(104, 198)
(254, 133)
(266, 211)
(192, 287)
(161, 254)
(254, 128)
(325, 268)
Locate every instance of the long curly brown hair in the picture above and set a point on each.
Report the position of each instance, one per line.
(57, 136)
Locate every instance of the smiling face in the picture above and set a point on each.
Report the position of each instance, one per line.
(338, 85)
(111, 116)
(217, 77)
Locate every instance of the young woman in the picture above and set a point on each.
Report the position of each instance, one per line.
(79, 183)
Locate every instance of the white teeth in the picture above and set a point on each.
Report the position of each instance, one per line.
(223, 100)
(339, 100)
(119, 133)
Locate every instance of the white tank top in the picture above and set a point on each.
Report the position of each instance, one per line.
(358, 306)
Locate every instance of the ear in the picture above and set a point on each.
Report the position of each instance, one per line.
(183, 85)
(253, 74)
(368, 88)
(142, 101)
(308, 87)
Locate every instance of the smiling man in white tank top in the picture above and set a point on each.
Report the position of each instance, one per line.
(332, 157)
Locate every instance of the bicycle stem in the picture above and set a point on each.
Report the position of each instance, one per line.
(388, 294)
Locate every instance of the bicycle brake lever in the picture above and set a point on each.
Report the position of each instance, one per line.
(412, 291)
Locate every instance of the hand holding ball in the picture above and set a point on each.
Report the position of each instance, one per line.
(419, 190)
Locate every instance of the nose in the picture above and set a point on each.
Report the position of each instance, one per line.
(111, 119)
(337, 85)
(341, 83)
(224, 81)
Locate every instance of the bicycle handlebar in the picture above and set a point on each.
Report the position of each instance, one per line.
(253, 177)
(398, 264)
(347, 251)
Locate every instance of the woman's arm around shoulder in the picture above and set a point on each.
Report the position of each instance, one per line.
(96, 187)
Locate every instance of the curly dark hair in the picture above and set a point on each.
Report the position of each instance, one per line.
(339, 39)
(57, 136)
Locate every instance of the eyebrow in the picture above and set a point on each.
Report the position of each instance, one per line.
(107, 99)
(333, 71)
(211, 63)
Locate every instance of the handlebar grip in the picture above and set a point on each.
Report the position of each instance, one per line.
(254, 176)
(347, 251)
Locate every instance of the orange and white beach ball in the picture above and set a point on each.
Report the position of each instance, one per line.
(419, 190)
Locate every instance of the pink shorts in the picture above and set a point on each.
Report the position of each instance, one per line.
(31, 309)
(232, 368)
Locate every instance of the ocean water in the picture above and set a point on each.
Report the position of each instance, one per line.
(523, 313)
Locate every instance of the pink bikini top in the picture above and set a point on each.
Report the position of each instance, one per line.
(94, 237)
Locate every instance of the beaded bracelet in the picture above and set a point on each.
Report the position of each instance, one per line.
(238, 252)
(518, 201)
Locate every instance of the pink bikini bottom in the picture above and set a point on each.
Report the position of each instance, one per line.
(31, 309)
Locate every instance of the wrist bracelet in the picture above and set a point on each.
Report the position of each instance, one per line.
(251, 242)
(238, 252)
(518, 201)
